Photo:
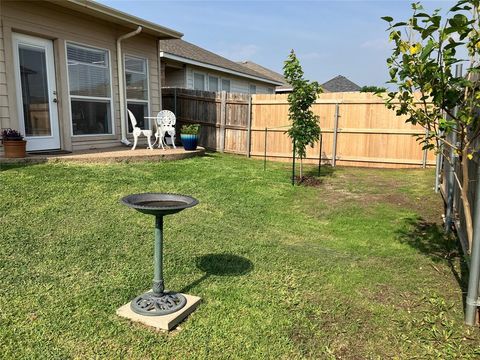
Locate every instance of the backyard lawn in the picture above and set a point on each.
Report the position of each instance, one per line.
(354, 268)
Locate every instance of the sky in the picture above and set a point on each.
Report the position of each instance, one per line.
(330, 38)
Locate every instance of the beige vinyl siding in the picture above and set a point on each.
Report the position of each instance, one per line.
(237, 83)
(63, 26)
(264, 89)
(4, 109)
(175, 78)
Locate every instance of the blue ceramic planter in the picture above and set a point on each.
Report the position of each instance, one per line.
(189, 141)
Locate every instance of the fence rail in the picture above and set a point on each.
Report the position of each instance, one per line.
(357, 128)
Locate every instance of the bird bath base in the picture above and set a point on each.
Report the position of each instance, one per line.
(151, 304)
(165, 322)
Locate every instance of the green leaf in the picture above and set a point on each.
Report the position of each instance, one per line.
(458, 21)
(387, 18)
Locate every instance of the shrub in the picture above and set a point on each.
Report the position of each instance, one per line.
(191, 129)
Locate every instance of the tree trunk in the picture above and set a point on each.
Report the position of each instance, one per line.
(465, 202)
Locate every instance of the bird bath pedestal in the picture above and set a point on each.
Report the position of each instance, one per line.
(158, 304)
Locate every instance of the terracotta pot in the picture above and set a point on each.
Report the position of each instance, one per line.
(15, 148)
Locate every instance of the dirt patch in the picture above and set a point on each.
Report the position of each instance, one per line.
(312, 181)
(375, 191)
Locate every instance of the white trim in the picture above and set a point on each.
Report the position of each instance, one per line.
(147, 74)
(46, 46)
(95, 98)
(112, 108)
(215, 67)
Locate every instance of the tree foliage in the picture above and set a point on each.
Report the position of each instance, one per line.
(373, 89)
(426, 50)
(305, 129)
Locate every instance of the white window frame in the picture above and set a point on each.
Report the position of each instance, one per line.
(137, 101)
(218, 81)
(229, 82)
(205, 78)
(112, 114)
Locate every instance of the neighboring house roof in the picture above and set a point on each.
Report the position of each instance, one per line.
(109, 14)
(340, 84)
(270, 73)
(263, 70)
(186, 52)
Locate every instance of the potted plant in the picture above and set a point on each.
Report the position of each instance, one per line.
(14, 145)
(189, 136)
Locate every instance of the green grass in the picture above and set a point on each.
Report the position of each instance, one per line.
(355, 268)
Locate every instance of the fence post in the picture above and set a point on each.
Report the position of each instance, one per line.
(265, 152)
(320, 157)
(175, 102)
(471, 307)
(293, 162)
(249, 125)
(335, 136)
(223, 115)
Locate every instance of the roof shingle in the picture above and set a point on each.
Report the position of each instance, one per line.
(190, 51)
(340, 84)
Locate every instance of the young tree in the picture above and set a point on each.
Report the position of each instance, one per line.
(425, 52)
(305, 129)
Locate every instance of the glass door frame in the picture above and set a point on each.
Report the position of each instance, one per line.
(44, 142)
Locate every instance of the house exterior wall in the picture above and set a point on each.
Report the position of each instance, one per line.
(237, 84)
(4, 109)
(51, 21)
(174, 77)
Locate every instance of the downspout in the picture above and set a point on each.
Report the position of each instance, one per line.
(474, 277)
(121, 84)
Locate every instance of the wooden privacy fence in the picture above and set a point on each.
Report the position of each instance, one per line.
(357, 128)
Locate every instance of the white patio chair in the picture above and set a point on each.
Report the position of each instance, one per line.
(137, 131)
(165, 122)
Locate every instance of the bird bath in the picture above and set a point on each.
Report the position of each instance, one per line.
(158, 301)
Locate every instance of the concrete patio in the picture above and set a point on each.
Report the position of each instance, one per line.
(117, 154)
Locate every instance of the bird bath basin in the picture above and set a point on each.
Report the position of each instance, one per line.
(158, 301)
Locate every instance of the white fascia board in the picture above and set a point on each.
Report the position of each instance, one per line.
(284, 89)
(215, 67)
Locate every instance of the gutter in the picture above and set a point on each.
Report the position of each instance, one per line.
(121, 84)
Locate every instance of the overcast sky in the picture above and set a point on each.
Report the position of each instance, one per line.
(330, 37)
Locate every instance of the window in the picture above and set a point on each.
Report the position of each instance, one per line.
(269, 90)
(212, 83)
(136, 83)
(226, 85)
(253, 89)
(198, 81)
(90, 90)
